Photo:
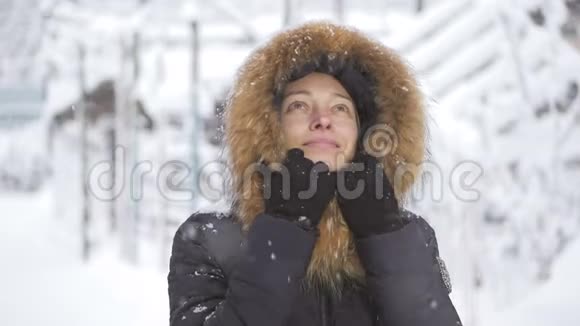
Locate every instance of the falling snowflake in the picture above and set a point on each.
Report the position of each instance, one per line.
(433, 304)
(199, 309)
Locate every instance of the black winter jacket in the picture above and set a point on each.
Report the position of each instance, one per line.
(222, 276)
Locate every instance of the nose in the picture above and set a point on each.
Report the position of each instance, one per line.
(320, 121)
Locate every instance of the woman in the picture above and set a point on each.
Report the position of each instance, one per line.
(319, 238)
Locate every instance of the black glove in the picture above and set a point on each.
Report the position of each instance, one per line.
(298, 202)
(366, 209)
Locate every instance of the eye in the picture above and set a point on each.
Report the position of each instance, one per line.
(296, 106)
(342, 108)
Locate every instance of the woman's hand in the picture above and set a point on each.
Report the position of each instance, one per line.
(367, 198)
(300, 191)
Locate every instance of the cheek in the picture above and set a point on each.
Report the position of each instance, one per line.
(293, 130)
(349, 133)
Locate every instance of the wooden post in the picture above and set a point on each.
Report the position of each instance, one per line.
(195, 125)
(420, 5)
(123, 127)
(82, 111)
(133, 125)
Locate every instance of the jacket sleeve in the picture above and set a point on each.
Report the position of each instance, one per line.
(261, 287)
(406, 278)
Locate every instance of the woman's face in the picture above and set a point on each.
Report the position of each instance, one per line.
(319, 117)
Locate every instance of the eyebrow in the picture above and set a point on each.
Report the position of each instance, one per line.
(304, 92)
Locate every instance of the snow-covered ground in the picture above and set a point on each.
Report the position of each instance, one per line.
(557, 302)
(43, 282)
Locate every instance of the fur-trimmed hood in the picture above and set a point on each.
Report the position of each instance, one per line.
(253, 132)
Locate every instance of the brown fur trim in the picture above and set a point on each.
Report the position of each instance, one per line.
(253, 128)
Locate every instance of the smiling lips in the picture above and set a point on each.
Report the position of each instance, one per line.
(324, 143)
